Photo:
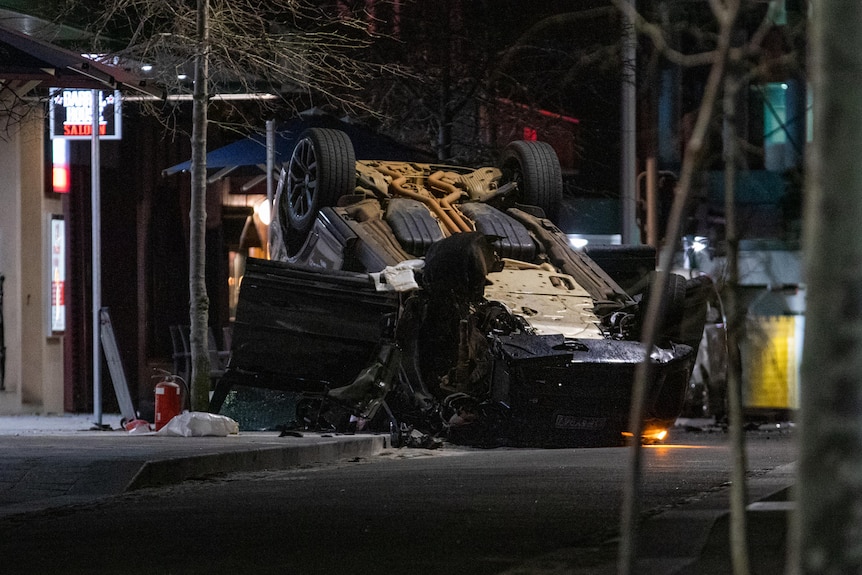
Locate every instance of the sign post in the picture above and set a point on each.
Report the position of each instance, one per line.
(90, 115)
(72, 111)
(95, 167)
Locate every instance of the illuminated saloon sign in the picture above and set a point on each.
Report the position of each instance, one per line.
(72, 114)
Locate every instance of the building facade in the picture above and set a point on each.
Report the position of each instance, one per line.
(33, 379)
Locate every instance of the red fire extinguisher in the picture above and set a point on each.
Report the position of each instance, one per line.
(168, 401)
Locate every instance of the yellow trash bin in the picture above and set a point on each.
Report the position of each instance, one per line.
(770, 361)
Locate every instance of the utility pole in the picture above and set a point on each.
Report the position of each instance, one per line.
(628, 129)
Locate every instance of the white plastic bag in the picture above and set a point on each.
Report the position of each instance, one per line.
(400, 277)
(199, 424)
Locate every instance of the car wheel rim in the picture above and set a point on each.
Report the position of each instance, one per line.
(302, 180)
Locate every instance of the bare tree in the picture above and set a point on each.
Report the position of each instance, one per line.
(829, 492)
(481, 57)
(726, 62)
(290, 49)
(735, 322)
(199, 300)
(694, 150)
(445, 46)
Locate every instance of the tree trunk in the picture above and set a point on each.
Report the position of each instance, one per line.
(629, 516)
(199, 301)
(735, 319)
(830, 465)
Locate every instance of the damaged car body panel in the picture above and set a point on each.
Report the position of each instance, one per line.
(302, 330)
(552, 302)
(582, 388)
(446, 297)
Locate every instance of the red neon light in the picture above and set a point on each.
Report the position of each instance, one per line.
(540, 111)
(83, 129)
(58, 293)
(60, 179)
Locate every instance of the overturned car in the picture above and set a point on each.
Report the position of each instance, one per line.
(443, 302)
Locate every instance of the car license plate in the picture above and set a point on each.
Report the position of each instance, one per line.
(575, 422)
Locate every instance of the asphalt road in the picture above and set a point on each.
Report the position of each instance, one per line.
(406, 511)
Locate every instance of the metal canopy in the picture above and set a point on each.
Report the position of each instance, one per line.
(28, 61)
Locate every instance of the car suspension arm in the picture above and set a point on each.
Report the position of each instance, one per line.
(441, 208)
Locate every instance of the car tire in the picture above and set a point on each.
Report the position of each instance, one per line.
(534, 166)
(672, 304)
(321, 169)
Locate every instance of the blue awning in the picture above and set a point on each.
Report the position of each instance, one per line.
(251, 151)
(248, 152)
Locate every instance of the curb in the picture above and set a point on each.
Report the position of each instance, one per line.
(161, 472)
(768, 531)
(42, 472)
(767, 519)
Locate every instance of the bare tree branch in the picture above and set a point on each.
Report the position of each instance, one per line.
(726, 16)
(282, 47)
(656, 34)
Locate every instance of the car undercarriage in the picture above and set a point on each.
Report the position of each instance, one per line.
(439, 302)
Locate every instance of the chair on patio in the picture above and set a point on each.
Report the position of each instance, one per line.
(182, 355)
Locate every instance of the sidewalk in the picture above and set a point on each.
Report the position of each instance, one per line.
(48, 461)
(695, 540)
(54, 424)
